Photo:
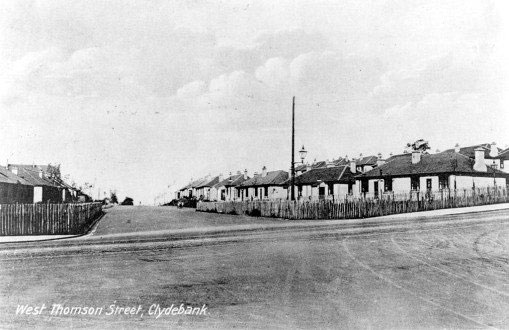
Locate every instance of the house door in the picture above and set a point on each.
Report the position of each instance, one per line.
(223, 197)
(365, 186)
(321, 192)
(375, 188)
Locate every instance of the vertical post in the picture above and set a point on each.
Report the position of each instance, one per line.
(292, 193)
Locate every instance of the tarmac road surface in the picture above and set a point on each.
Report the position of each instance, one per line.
(447, 272)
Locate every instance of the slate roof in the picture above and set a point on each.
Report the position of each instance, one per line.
(341, 161)
(368, 160)
(7, 176)
(336, 174)
(445, 162)
(470, 151)
(208, 182)
(231, 181)
(273, 178)
(504, 154)
(31, 174)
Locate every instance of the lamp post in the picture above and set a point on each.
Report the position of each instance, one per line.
(292, 192)
(303, 152)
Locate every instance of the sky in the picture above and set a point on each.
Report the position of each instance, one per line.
(143, 96)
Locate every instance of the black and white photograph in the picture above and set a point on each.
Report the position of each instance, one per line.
(254, 164)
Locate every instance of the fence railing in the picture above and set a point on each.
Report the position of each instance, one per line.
(47, 219)
(356, 208)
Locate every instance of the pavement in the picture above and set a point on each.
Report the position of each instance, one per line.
(441, 271)
(129, 222)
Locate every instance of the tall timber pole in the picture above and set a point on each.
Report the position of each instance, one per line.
(292, 193)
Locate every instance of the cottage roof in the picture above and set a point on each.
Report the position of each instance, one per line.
(336, 174)
(31, 174)
(503, 155)
(470, 151)
(231, 181)
(368, 160)
(273, 178)
(7, 176)
(445, 162)
(208, 182)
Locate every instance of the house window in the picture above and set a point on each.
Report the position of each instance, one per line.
(428, 184)
(388, 184)
(365, 186)
(350, 188)
(414, 183)
(238, 193)
(266, 191)
(256, 192)
(247, 192)
(331, 188)
(299, 190)
(501, 164)
(443, 183)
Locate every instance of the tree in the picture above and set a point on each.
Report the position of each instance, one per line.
(113, 197)
(53, 171)
(419, 145)
(128, 201)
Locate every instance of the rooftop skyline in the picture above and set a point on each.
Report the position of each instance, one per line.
(141, 96)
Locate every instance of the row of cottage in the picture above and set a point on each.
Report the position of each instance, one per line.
(27, 184)
(411, 173)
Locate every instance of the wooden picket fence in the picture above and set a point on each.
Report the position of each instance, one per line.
(353, 208)
(47, 219)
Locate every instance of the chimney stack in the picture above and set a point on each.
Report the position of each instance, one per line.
(353, 166)
(40, 173)
(220, 177)
(264, 171)
(457, 147)
(416, 157)
(245, 174)
(380, 161)
(479, 165)
(308, 167)
(14, 170)
(329, 164)
(493, 150)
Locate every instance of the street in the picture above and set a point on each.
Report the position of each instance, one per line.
(444, 272)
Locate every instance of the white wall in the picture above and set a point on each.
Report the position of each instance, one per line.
(434, 183)
(37, 194)
(401, 185)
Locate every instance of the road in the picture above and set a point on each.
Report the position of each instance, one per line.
(446, 272)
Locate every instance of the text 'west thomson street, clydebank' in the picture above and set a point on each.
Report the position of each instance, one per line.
(154, 310)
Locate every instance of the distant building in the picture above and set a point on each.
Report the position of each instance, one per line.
(45, 189)
(329, 182)
(267, 185)
(493, 156)
(227, 189)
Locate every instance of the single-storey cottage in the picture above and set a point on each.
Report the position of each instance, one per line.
(267, 185)
(429, 173)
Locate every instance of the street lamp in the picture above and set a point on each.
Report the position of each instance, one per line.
(303, 152)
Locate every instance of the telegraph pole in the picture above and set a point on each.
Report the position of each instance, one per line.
(292, 193)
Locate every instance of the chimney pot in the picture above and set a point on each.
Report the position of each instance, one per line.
(245, 174)
(479, 165)
(353, 166)
(416, 157)
(457, 147)
(264, 171)
(493, 150)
